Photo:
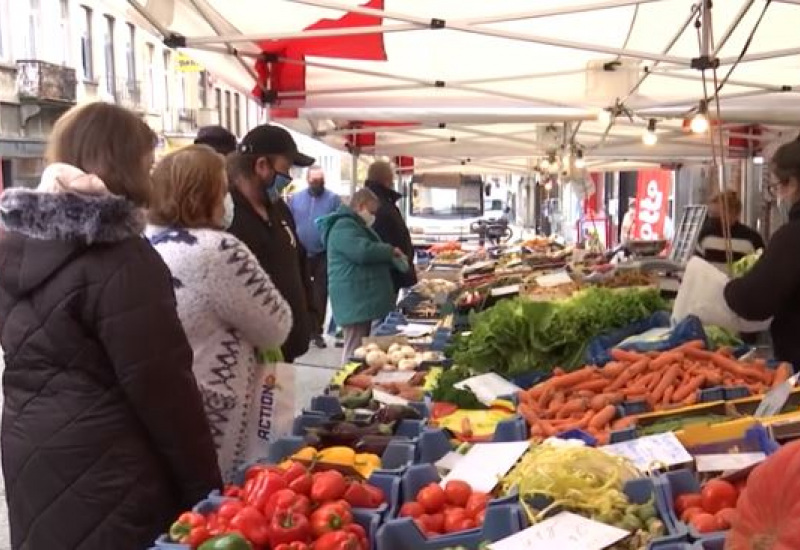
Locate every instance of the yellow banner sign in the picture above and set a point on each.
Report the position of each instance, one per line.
(188, 65)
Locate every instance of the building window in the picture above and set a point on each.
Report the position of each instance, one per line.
(167, 65)
(87, 64)
(227, 123)
(202, 89)
(5, 45)
(130, 54)
(237, 116)
(218, 104)
(151, 76)
(33, 29)
(110, 65)
(63, 28)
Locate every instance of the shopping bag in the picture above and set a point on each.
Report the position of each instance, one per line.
(271, 411)
(702, 294)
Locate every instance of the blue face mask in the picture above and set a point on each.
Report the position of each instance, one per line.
(280, 182)
(227, 217)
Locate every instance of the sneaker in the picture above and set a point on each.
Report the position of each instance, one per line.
(319, 341)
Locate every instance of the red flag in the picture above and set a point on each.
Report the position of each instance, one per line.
(405, 165)
(652, 201)
(285, 77)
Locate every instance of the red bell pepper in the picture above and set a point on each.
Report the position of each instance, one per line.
(287, 527)
(357, 496)
(338, 540)
(252, 524)
(360, 532)
(228, 509)
(257, 469)
(328, 486)
(287, 500)
(217, 525)
(179, 531)
(292, 546)
(197, 536)
(261, 488)
(294, 471)
(331, 517)
(302, 484)
(232, 491)
(376, 495)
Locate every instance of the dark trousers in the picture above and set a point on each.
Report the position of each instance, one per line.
(318, 266)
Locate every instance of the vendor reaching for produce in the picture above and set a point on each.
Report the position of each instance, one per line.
(360, 268)
(711, 242)
(772, 288)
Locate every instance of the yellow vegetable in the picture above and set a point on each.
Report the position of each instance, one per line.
(306, 453)
(344, 456)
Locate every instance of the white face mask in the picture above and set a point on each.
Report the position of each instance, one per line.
(368, 217)
(227, 217)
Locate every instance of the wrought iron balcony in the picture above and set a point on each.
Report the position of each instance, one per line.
(40, 81)
(127, 93)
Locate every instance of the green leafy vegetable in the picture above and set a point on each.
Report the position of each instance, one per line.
(519, 335)
(720, 337)
(744, 265)
(445, 392)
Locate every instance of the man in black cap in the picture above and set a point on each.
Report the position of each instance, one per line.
(218, 138)
(259, 172)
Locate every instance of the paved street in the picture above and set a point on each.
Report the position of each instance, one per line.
(313, 372)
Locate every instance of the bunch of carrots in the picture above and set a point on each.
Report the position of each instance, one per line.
(587, 399)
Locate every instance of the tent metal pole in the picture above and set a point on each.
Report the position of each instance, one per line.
(549, 12)
(382, 130)
(695, 78)
(732, 27)
(497, 33)
(141, 10)
(761, 56)
(354, 172)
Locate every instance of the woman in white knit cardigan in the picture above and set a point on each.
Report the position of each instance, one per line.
(227, 304)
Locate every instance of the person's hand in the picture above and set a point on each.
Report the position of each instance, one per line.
(398, 253)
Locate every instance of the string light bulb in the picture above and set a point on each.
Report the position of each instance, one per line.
(580, 162)
(650, 138)
(699, 124)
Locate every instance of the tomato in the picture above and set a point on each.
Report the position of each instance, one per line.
(436, 523)
(466, 525)
(704, 523)
(411, 510)
(422, 524)
(689, 513)
(718, 494)
(453, 518)
(457, 492)
(476, 503)
(432, 498)
(725, 518)
(686, 501)
(480, 517)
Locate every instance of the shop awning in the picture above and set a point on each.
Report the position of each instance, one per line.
(502, 82)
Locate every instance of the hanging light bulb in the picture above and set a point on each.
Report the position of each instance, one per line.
(580, 163)
(604, 117)
(699, 124)
(650, 137)
(545, 164)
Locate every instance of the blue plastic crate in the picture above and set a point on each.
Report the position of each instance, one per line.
(670, 544)
(434, 443)
(368, 520)
(403, 534)
(405, 429)
(710, 542)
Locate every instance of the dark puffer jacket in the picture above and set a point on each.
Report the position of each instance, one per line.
(104, 438)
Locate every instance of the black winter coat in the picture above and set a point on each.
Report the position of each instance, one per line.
(772, 289)
(277, 248)
(391, 228)
(104, 437)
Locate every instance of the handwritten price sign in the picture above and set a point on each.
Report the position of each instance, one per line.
(652, 195)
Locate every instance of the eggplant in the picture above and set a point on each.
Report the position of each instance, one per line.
(375, 444)
(396, 413)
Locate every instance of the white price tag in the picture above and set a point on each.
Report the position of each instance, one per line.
(505, 290)
(388, 398)
(565, 531)
(485, 463)
(727, 462)
(488, 387)
(394, 376)
(653, 452)
(449, 461)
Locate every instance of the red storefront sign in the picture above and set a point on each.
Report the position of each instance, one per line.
(652, 201)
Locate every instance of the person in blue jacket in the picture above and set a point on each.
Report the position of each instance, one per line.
(360, 268)
(306, 206)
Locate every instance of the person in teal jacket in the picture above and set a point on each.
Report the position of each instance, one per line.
(359, 268)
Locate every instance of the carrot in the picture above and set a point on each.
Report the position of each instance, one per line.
(598, 402)
(602, 438)
(667, 380)
(527, 413)
(782, 374)
(615, 398)
(556, 403)
(558, 371)
(613, 369)
(665, 359)
(572, 406)
(691, 400)
(643, 382)
(667, 398)
(537, 432)
(466, 427)
(570, 379)
(603, 417)
(545, 397)
(694, 344)
(626, 356)
(622, 380)
(634, 393)
(595, 384)
(687, 388)
(697, 354)
(738, 369)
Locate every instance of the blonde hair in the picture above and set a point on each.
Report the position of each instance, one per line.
(188, 186)
(108, 141)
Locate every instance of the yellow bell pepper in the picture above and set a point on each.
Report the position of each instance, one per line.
(366, 463)
(343, 456)
(306, 453)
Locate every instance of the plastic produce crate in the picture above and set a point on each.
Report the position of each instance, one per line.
(710, 542)
(406, 429)
(434, 443)
(420, 475)
(403, 534)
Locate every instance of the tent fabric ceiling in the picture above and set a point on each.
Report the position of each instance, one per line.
(508, 68)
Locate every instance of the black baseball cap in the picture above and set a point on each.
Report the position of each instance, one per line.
(268, 139)
(216, 137)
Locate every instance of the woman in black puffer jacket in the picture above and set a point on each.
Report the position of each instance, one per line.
(104, 438)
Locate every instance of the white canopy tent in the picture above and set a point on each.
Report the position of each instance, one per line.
(501, 84)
